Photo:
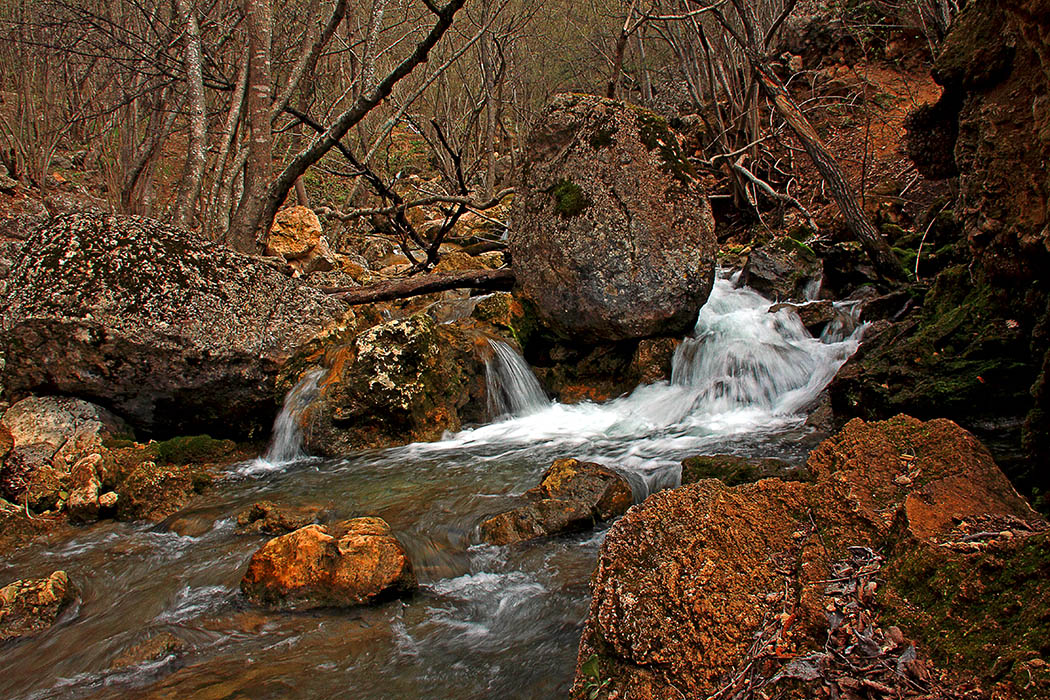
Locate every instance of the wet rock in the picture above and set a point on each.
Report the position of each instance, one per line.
(156, 648)
(573, 496)
(269, 518)
(733, 469)
(174, 333)
(153, 491)
(350, 563)
(32, 605)
(814, 315)
(689, 586)
(784, 269)
(612, 235)
(397, 382)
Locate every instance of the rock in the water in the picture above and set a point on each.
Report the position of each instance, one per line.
(269, 518)
(175, 334)
(573, 496)
(155, 648)
(400, 381)
(732, 469)
(612, 235)
(32, 605)
(782, 270)
(687, 583)
(350, 563)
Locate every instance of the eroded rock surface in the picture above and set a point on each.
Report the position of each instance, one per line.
(349, 563)
(32, 605)
(612, 235)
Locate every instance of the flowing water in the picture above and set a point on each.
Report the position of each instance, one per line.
(487, 622)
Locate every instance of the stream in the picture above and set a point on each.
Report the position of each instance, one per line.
(487, 622)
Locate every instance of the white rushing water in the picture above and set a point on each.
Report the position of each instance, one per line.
(512, 387)
(742, 370)
(286, 445)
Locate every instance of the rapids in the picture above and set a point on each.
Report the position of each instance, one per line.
(488, 622)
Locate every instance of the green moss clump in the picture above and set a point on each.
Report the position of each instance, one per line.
(569, 199)
(655, 134)
(793, 245)
(190, 449)
(987, 613)
(602, 137)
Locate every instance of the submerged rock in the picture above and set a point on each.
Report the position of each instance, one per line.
(349, 563)
(732, 469)
(175, 334)
(612, 234)
(688, 583)
(269, 518)
(156, 648)
(32, 605)
(573, 496)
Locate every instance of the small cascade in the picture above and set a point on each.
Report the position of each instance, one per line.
(512, 387)
(742, 356)
(286, 445)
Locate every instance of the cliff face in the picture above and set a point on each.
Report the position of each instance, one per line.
(997, 99)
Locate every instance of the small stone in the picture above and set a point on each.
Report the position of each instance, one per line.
(108, 500)
(902, 480)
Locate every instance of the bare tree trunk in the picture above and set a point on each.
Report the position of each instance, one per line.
(279, 188)
(488, 69)
(193, 172)
(876, 248)
(219, 201)
(242, 234)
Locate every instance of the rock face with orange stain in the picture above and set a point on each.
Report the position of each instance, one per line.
(350, 563)
(573, 496)
(690, 583)
(32, 605)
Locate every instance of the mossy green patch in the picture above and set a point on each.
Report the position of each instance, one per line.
(191, 449)
(569, 198)
(988, 613)
(655, 134)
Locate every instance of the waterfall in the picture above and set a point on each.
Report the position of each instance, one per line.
(286, 445)
(740, 355)
(512, 387)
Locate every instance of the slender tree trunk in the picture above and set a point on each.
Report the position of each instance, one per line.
(193, 172)
(242, 234)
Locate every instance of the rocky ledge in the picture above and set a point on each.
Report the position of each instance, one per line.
(909, 547)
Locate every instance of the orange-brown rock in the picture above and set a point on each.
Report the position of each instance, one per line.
(32, 605)
(688, 583)
(573, 496)
(269, 518)
(350, 563)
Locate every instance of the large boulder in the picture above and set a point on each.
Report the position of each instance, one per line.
(573, 496)
(705, 580)
(352, 562)
(177, 335)
(612, 236)
(30, 606)
(784, 269)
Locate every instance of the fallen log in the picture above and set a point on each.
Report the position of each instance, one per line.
(492, 280)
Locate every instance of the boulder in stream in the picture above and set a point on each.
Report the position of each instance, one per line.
(573, 496)
(32, 605)
(349, 563)
(175, 334)
(612, 235)
(701, 581)
(783, 269)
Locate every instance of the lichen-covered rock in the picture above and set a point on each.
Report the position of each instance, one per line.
(175, 334)
(573, 496)
(32, 605)
(350, 563)
(782, 270)
(691, 580)
(401, 381)
(55, 420)
(612, 236)
(152, 491)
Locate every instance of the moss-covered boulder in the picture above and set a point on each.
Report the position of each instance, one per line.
(612, 236)
(401, 381)
(175, 334)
